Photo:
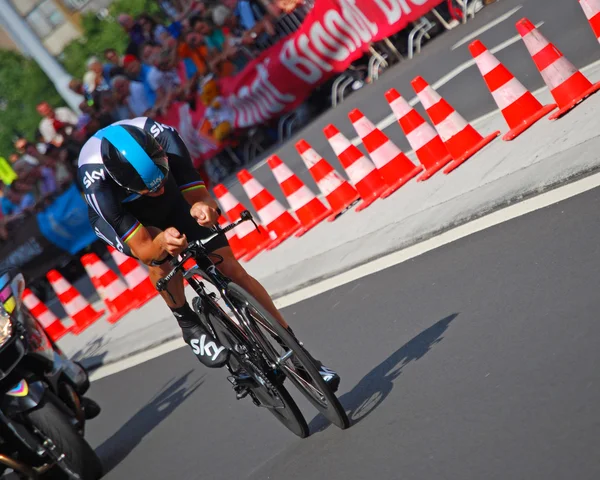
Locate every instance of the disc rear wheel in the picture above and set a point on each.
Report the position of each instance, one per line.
(288, 356)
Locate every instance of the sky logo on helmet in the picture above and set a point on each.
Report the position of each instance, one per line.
(155, 183)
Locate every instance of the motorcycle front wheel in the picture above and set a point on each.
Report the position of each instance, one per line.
(80, 458)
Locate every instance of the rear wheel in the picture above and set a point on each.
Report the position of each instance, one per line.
(265, 391)
(288, 355)
(79, 457)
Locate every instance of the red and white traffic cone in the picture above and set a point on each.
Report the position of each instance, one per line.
(360, 170)
(519, 107)
(52, 325)
(76, 307)
(237, 246)
(254, 241)
(395, 167)
(568, 86)
(308, 208)
(459, 136)
(277, 220)
(114, 292)
(338, 192)
(423, 139)
(137, 278)
(591, 8)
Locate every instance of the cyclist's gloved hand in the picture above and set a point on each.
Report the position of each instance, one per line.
(173, 241)
(204, 214)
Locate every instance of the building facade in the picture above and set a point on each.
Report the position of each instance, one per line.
(55, 22)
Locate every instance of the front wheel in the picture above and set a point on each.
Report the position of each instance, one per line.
(79, 457)
(284, 350)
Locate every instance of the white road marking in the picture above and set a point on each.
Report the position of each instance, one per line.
(486, 27)
(495, 218)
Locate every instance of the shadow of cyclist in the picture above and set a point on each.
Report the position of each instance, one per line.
(374, 387)
(116, 448)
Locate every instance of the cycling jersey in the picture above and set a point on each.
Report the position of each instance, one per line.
(116, 214)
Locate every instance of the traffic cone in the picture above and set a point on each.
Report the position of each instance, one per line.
(276, 219)
(519, 107)
(76, 307)
(308, 208)
(591, 8)
(363, 175)
(338, 192)
(460, 138)
(254, 241)
(237, 247)
(116, 296)
(136, 277)
(423, 138)
(52, 325)
(395, 167)
(568, 86)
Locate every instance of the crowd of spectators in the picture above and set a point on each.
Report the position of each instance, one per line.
(165, 60)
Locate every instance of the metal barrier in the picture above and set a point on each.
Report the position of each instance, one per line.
(421, 30)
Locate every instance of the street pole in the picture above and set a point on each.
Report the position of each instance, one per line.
(22, 34)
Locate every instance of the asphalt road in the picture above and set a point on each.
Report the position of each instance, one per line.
(476, 360)
(564, 24)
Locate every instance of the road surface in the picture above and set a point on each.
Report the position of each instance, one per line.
(476, 360)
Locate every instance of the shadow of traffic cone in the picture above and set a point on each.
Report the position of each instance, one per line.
(277, 220)
(136, 277)
(308, 208)
(52, 325)
(363, 175)
(76, 307)
(422, 137)
(338, 192)
(591, 8)
(254, 241)
(116, 296)
(519, 107)
(568, 86)
(459, 136)
(395, 167)
(237, 246)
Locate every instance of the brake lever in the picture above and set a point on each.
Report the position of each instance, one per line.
(245, 216)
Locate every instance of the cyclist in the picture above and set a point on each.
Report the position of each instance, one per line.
(146, 199)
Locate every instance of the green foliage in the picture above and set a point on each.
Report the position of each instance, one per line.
(23, 84)
(102, 34)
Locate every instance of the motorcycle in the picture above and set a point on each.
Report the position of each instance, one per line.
(42, 408)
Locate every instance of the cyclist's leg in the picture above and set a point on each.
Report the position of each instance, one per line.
(204, 346)
(233, 269)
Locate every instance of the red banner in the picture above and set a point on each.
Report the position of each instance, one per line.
(333, 35)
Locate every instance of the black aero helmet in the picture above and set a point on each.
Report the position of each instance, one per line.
(133, 158)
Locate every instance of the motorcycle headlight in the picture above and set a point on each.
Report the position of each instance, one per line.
(6, 328)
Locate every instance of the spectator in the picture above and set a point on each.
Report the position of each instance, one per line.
(76, 86)
(135, 32)
(138, 72)
(93, 79)
(195, 50)
(15, 202)
(133, 94)
(153, 31)
(54, 121)
(163, 78)
(112, 66)
(148, 51)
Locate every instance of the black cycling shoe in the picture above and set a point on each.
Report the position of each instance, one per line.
(206, 348)
(330, 377)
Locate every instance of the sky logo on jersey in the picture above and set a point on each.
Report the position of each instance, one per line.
(90, 178)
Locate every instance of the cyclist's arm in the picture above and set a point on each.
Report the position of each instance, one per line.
(104, 197)
(182, 168)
